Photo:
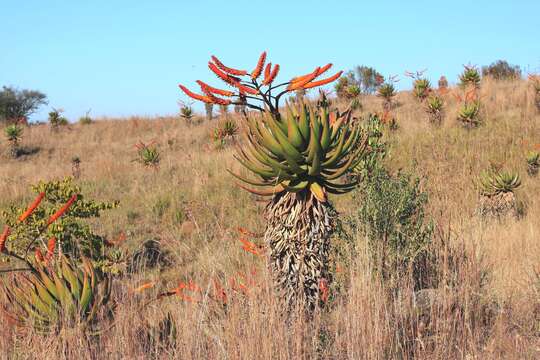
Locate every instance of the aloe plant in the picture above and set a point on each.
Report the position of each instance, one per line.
(435, 109)
(421, 88)
(297, 157)
(533, 162)
(148, 154)
(55, 296)
(387, 92)
(470, 77)
(13, 134)
(469, 114)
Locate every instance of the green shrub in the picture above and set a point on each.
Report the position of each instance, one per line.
(391, 217)
(376, 148)
(73, 235)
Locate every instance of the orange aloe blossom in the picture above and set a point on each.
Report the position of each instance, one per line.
(32, 207)
(249, 91)
(258, 69)
(50, 248)
(62, 210)
(3, 238)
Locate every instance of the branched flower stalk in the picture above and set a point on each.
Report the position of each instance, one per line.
(297, 157)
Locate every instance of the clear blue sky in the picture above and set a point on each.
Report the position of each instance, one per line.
(122, 58)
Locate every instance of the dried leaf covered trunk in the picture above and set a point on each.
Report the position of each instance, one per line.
(298, 233)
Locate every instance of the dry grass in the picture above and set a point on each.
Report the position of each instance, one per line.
(201, 210)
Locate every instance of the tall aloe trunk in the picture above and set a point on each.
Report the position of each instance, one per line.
(298, 233)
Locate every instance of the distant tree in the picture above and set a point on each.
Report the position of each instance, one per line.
(363, 78)
(368, 79)
(18, 104)
(502, 70)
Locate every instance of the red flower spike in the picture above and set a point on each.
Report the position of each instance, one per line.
(246, 89)
(62, 210)
(228, 69)
(205, 99)
(231, 80)
(50, 248)
(32, 207)
(209, 90)
(39, 256)
(273, 75)
(218, 101)
(323, 82)
(220, 293)
(3, 238)
(258, 69)
(323, 287)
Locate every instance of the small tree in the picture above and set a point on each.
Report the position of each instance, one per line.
(19, 104)
(368, 79)
(502, 70)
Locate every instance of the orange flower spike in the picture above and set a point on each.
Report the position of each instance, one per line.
(298, 84)
(229, 70)
(267, 71)
(231, 80)
(143, 287)
(209, 90)
(220, 292)
(39, 256)
(50, 248)
(3, 238)
(62, 210)
(258, 69)
(323, 287)
(273, 75)
(192, 95)
(303, 77)
(32, 207)
(323, 82)
(324, 69)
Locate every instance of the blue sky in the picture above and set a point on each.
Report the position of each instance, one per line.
(123, 58)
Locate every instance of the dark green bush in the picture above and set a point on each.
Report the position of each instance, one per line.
(502, 70)
(392, 219)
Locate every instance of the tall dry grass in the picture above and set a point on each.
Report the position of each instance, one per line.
(191, 204)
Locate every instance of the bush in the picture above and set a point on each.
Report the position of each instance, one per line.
(502, 70)
(74, 237)
(16, 105)
(391, 216)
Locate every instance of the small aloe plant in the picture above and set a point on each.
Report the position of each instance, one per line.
(186, 113)
(225, 132)
(435, 109)
(148, 154)
(470, 77)
(469, 114)
(533, 162)
(13, 134)
(56, 120)
(56, 295)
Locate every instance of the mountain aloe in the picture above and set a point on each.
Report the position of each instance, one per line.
(298, 154)
(54, 296)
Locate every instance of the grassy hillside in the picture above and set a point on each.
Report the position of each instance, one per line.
(190, 203)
